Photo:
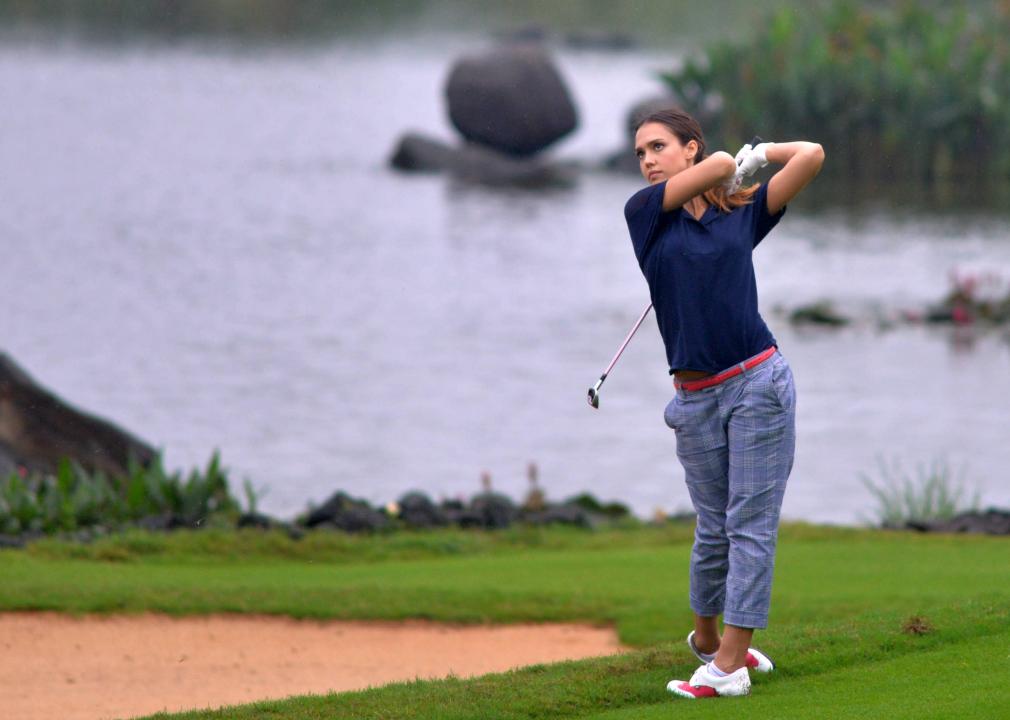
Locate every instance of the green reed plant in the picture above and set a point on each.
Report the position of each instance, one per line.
(934, 492)
(252, 496)
(912, 91)
(75, 498)
(19, 506)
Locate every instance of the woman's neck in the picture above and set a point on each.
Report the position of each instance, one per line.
(696, 206)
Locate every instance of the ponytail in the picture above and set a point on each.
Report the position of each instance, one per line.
(717, 197)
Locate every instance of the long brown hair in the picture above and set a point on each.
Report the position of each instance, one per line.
(686, 128)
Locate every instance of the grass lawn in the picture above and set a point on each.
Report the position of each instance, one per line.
(841, 606)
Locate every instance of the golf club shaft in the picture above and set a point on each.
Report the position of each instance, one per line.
(594, 392)
(626, 341)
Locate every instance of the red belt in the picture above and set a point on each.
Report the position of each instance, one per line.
(725, 375)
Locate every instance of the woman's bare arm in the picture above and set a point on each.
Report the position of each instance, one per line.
(714, 170)
(801, 160)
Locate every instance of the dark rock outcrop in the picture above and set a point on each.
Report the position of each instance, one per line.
(417, 510)
(358, 520)
(417, 153)
(37, 430)
(493, 510)
(256, 520)
(456, 513)
(819, 313)
(564, 514)
(478, 164)
(613, 510)
(511, 99)
(990, 522)
(483, 165)
(344, 512)
(336, 503)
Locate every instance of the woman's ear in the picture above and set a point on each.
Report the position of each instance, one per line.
(690, 150)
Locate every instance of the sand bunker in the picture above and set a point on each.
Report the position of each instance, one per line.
(54, 666)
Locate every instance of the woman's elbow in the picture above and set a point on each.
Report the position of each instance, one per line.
(725, 164)
(816, 154)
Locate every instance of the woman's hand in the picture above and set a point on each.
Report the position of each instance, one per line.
(714, 170)
(751, 159)
(802, 161)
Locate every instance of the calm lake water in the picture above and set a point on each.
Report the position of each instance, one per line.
(207, 247)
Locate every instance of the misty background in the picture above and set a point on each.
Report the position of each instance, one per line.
(204, 242)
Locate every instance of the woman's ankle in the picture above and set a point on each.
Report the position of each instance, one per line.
(728, 668)
(707, 645)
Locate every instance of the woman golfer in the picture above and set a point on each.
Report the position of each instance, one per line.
(693, 230)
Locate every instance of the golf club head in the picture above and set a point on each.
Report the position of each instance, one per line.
(594, 392)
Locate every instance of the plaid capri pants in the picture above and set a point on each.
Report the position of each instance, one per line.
(736, 442)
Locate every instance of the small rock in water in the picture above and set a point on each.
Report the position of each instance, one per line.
(819, 313)
(494, 510)
(417, 510)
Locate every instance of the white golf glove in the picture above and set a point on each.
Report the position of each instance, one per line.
(742, 153)
(734, 183)
(751, 159)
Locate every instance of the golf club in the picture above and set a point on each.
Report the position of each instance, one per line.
(594, 392)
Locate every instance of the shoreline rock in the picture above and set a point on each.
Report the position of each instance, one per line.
(992, 521)
(470, 162)
(38, 429)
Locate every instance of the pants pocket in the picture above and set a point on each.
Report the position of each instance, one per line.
(784, 386)
(670, 414)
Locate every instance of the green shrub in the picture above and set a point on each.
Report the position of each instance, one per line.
(917, 92)
(934, 493)
(73, 498)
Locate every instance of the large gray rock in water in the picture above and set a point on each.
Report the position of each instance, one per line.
(37, 430)
(511, 99)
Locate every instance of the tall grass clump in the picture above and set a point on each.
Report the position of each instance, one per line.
(911, 91)
(934, 492)
(74, 498)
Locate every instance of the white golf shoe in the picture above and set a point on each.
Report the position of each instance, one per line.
(705, 684)
(756, 660)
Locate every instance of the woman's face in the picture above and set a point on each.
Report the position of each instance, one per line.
(660, 153)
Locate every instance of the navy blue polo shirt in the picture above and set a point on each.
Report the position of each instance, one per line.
(701, 277)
